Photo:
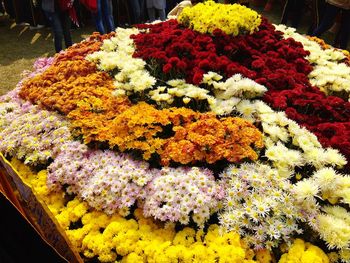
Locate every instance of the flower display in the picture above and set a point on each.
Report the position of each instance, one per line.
(216, 137)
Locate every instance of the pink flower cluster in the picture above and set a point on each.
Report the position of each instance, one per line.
(29, 133)
(107, 181)
(115, 183)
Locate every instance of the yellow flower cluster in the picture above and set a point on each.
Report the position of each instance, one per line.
(54, 200)
(136, 240)
(303, 252)
(232, 19)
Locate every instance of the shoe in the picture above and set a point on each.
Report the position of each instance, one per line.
(38, 26)
(24, 24)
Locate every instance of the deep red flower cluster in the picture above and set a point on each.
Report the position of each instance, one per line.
(277, 63)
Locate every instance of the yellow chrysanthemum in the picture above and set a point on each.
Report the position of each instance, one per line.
(232, 19)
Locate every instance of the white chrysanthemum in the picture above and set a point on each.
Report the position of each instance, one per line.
(222, 107)
(334, 227)
(276, 132)
(246, 108)
(237, 86)
(326, 179)
(270, 118)
(211, 77)
(333, 157)
(281, 155)
(305, 189)
(316, 157)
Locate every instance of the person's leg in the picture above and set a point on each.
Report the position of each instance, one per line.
(151, 14)
(98, 18)
(9, 8)
(57, 31)
(344, 31)
(142, 17)
(66, 26)
(298, 10)
(107, 15)
(330, 13)
(161, 13)
(136, 11)
(286, 11)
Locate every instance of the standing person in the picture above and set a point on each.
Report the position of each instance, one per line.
(154, 6)
(137, 8)
(332, 9)
(104, 19)
(59, 13)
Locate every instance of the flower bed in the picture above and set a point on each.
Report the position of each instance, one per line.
(183, 141)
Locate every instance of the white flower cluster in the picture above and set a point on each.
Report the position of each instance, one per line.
(333, 224)
(31, 134)
(259, 206)
(116, 54)
(180, 89)
(228, 93)
(280, 131)
(8, 112)
(180, 194)
(329, 73)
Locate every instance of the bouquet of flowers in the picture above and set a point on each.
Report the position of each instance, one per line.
(216, 137)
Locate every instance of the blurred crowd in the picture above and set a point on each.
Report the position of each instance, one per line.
(323, 15)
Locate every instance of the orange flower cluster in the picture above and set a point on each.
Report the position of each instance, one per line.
(93, 116)
(135, 128)
(80, 50)
(198, 136)
(209, 139)
(65, 84)
(319, 41)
